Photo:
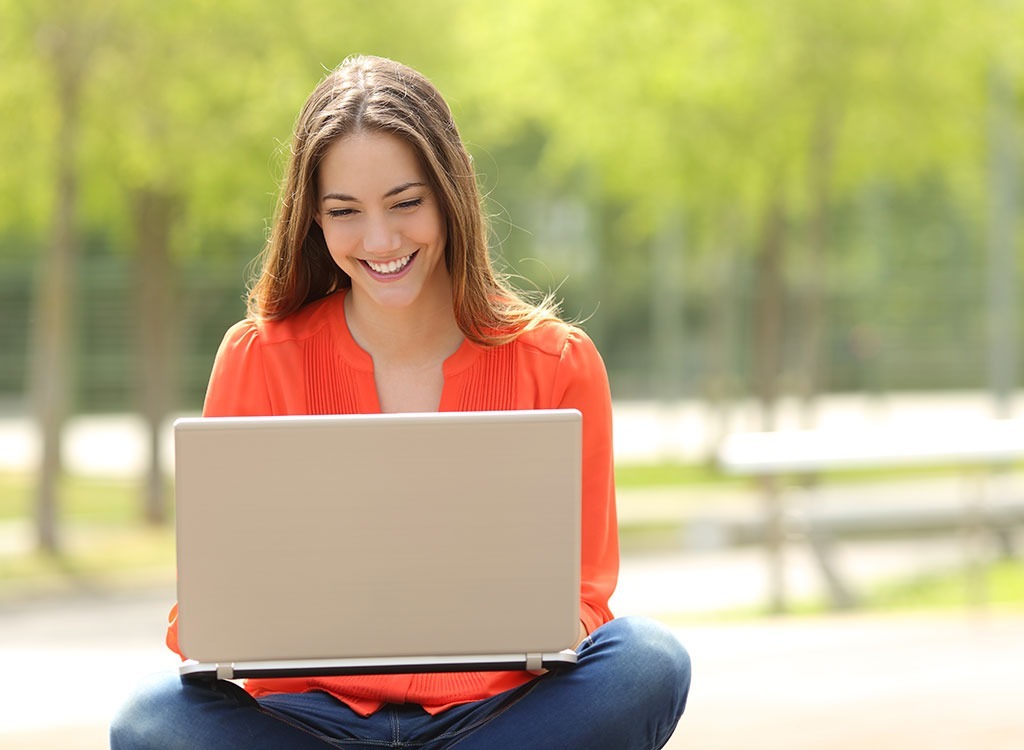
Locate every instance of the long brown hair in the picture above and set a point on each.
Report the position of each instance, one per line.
(375, 94)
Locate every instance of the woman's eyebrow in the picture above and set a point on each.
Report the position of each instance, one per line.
(402, 188)
(390, 193)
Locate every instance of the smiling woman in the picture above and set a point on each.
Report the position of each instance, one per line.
(377, 99)
(377, 294)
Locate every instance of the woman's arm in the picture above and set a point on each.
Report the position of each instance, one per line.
(581, 382)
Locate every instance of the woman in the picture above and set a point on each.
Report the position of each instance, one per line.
(377, 295)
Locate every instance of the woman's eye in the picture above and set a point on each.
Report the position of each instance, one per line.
(411, 203)
(338, 213)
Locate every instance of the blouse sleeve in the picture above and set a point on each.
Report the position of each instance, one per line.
(238, 383)
(581, 382)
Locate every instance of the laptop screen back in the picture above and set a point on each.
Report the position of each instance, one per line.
(377, 535)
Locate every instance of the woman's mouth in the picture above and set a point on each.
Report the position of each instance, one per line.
(390, 268)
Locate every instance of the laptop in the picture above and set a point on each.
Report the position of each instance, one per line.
(384, 543)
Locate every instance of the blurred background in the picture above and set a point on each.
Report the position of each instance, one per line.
(789, 215)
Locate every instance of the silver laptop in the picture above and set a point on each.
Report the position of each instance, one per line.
(382, 543)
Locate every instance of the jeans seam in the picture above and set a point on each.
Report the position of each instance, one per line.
(465, 732)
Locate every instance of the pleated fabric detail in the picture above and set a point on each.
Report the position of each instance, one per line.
(491, 382)
(330, 381)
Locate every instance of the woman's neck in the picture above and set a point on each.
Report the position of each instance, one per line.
(423, 335)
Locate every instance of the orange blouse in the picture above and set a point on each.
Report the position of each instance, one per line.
(309, 363)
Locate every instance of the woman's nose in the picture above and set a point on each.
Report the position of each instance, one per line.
(380, 236)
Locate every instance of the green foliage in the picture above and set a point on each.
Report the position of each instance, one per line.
(668, 104)
(596, 128)
(28, 113)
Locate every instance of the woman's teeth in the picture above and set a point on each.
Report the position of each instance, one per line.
(390, 267)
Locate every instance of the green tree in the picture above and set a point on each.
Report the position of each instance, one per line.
(745, 122)
(189, 108)
(53, 45)
(178, 143)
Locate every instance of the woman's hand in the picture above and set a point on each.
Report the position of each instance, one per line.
(582, 636)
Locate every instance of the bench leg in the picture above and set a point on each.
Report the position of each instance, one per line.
(821, 543)
(775, 543)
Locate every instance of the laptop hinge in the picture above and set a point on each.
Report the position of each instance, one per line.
(225, 671)
(535, 662)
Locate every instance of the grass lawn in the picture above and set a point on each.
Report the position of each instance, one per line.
(675, 474)
(1001, 587)
(1001, 590)
(103, 541)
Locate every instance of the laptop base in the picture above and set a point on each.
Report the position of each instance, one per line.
(382, 665)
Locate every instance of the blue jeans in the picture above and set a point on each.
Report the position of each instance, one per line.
(626, 693)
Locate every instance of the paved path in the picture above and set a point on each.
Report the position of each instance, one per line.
(942, 683)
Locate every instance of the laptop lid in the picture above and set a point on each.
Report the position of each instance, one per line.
(387, 542)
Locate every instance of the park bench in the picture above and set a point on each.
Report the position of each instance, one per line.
(983, 449)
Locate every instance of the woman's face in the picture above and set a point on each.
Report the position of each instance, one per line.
(381, 220)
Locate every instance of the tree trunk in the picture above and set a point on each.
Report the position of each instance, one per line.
(52, 337)
(768, 306)
(811, 359)
(668, 325)
(1003, 330)
(720, 383)
(154, 213)
(767, 365)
